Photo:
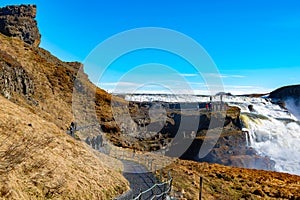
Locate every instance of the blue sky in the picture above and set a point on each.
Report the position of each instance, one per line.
(255, 44)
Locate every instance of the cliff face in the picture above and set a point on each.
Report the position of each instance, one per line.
(230, 149)
(19, 22)
(176, 135)
(13, 78)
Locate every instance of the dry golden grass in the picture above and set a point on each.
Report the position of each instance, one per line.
(222, 182)
(38, 161)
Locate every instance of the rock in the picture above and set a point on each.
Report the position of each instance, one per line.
(19, 22)
(6, 94)
(13, 78)
(250, 107)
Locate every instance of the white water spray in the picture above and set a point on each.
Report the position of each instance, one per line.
(273, 132)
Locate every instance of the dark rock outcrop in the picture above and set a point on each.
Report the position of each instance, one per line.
(13, 78)
(230, 148)
(19, 22)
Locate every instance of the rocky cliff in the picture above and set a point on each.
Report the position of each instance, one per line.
(19, 22)
(13, 78)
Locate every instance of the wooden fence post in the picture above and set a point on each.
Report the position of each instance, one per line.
(140, 197)
(164, 191)
(201, 186)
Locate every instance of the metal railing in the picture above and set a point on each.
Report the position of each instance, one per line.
(158, 190)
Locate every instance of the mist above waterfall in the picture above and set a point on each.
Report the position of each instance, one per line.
(293, 105)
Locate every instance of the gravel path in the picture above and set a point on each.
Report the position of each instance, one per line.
(140, 179)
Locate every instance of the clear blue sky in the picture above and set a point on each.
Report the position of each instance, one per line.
(254, 43)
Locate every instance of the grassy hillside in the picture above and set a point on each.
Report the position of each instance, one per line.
(38, 160)
(230, 183)
(51, 83)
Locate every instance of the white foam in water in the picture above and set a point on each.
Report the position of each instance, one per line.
(273, 131)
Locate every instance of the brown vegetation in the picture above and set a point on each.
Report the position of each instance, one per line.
(222, 182)
(37, 160)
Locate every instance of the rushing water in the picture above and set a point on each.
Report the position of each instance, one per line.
(273, 132)
(278, 140)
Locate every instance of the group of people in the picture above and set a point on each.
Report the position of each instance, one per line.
(216, 106)
(95, 142)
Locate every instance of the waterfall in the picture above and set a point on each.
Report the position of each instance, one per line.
(273, 132)
(246, 132)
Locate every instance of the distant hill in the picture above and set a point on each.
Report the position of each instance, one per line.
(289, 96)
(286, 92)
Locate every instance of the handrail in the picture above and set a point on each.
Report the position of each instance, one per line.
(164, 187)
(165, 192)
